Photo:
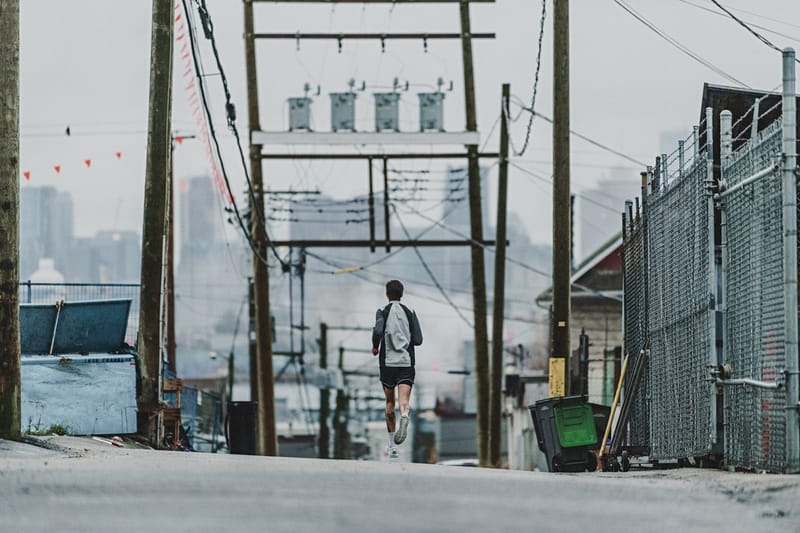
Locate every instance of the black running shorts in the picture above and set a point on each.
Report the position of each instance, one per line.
(392, 376)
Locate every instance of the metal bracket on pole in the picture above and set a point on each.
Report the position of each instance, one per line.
(725, 190)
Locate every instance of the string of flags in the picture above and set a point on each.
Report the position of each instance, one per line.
(58, 168)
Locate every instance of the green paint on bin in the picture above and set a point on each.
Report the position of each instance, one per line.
(575, 425)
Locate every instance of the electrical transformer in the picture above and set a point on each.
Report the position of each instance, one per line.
(343, 111)
(300, 113)
(431, 111)
(386, 111)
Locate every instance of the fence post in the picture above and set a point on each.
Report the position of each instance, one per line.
(681, 160)
(726, 151)
(712, 266)
(790, 258)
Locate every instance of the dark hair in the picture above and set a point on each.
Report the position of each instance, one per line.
(394, 289)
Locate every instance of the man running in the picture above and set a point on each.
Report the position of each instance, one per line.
(394, 336)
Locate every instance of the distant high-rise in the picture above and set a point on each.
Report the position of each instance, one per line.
(46, 228)
(108, 257)
(200, 215)
(598, 218)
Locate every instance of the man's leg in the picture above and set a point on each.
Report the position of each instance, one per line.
(404, 391)
(391, 449)
(390, 417)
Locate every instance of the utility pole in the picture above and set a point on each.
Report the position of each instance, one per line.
(169, 278)
(469, 138)
(561, 185)
(251, 340)
(324, 395)
(341, 445)
(154, 224)
(9, 221)
(495, 404)
(267, 435)
(476, 234)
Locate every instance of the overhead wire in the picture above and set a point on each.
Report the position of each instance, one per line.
(230, 113)
(769, 30)
(584, 137)
(529, 128)
(675, 43)
(430, 272)
(212, 129)
(748, 28)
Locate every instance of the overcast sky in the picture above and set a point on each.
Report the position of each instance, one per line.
(84, 63)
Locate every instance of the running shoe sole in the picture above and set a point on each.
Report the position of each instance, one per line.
(402, 430)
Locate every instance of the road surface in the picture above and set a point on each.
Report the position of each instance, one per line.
(87, 485)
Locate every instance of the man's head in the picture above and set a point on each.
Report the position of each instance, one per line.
(394, 290)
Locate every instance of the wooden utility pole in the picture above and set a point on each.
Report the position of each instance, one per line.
(251, 340)
(561, 185)
(324, 395)
(9, 221)
(341, 438)
(169, 277)
(267, 436)
(496, 402)
(476, 234)
(159, 137)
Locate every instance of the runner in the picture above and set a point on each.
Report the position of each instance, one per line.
(396, 333)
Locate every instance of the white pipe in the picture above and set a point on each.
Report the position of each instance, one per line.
(747, 181)
(751, 382)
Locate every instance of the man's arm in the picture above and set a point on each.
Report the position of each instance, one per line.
(416, 330)
(377, 331)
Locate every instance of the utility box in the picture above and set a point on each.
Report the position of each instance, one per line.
(300, 113)
(431, 111)
(343, 111)
(386, 111)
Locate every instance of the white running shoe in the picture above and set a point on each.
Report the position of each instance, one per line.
(390, 451)
(402, 430)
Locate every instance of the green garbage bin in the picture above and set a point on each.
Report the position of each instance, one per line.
(565, 432)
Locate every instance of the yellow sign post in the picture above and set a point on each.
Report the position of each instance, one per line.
(556, 379)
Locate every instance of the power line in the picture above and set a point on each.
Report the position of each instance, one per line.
(677, 44)
(535, 87)
(430, 272)
(770, 30)
(748, 28)
(230, 111)
(212, 129)
(545, 180)
(585, 138)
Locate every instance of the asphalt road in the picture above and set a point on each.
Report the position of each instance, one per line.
(92, 486)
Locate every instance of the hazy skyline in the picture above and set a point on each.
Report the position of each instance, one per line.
(628, 86)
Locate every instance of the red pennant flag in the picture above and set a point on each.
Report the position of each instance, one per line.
(88, 163)
(179, 140)
(57, 168)
(27, 175)
(119, 155)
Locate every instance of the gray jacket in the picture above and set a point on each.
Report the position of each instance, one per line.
(396, 333)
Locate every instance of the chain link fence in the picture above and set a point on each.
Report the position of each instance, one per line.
(755, 435)
(679, 309)
(635, 326)
(705, 293)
